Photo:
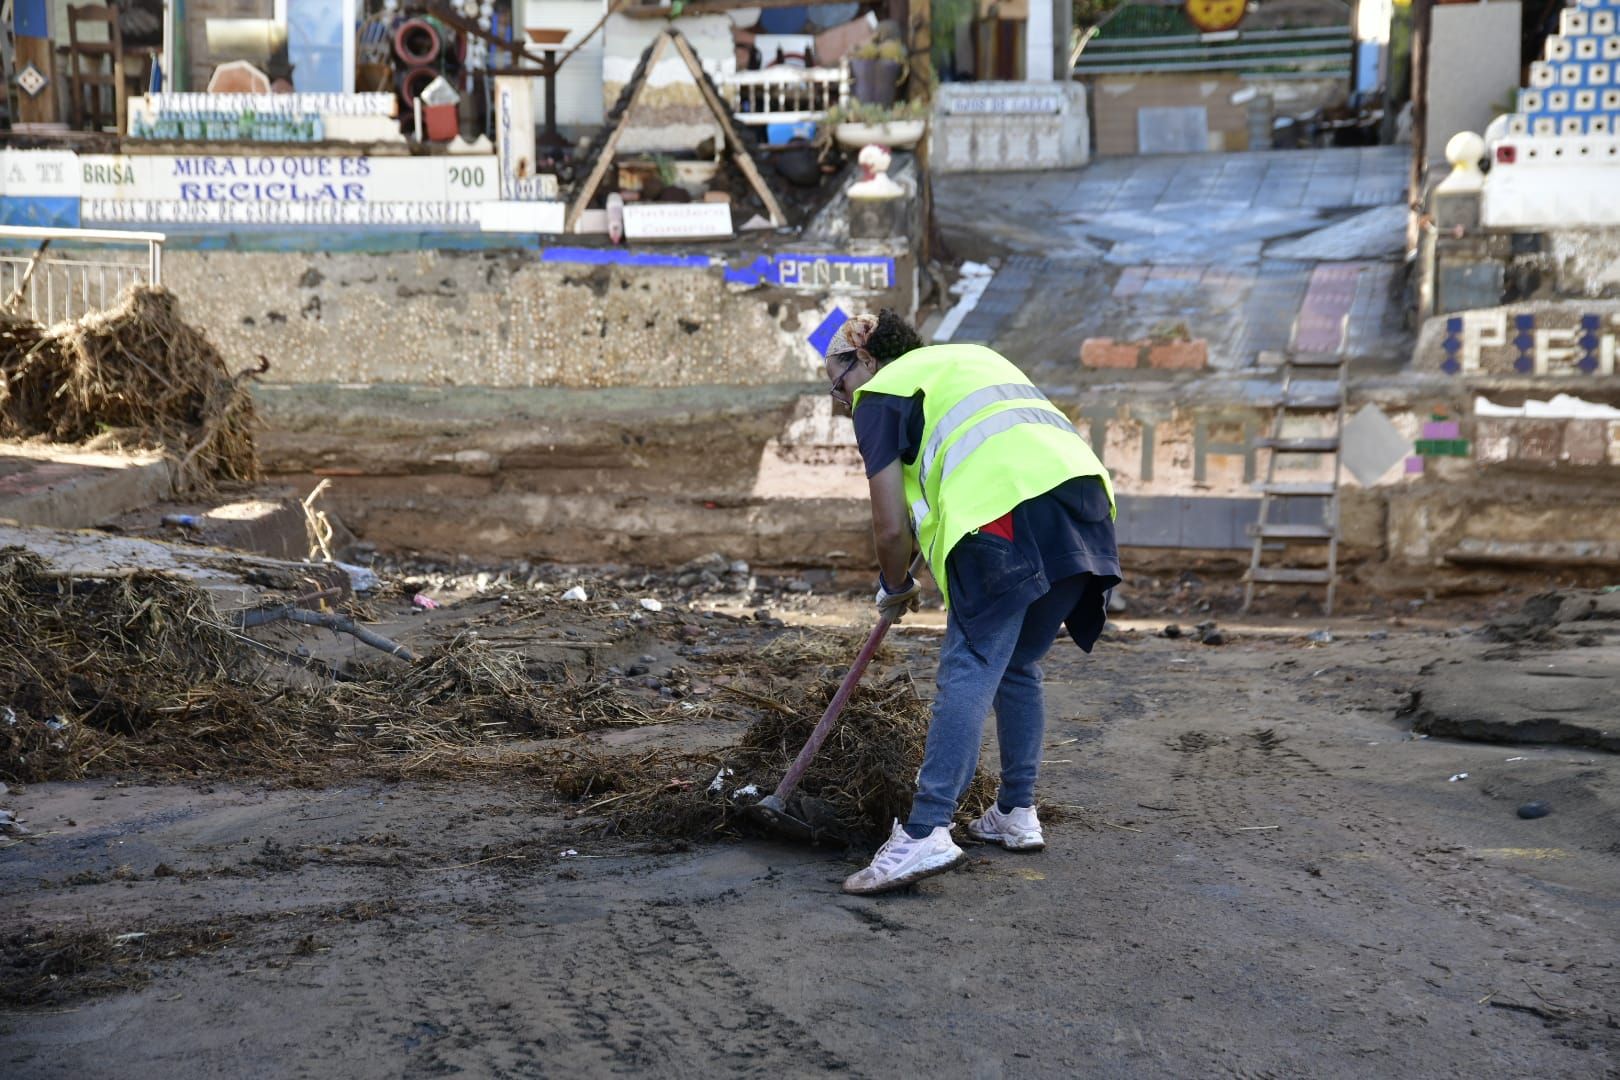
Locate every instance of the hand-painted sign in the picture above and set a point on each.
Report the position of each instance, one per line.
(380, 192)
(968, 104)
(39, 188)
(514, 141)
(1567, 340)
(658, 221)
(362, 118)
(817, 272)
(286, 189)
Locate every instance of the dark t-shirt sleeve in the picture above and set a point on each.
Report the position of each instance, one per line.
(887, 427)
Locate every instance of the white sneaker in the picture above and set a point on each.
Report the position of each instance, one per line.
(1019, 830)
(902, 860)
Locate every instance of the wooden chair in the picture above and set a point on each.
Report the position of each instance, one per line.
(96, 70)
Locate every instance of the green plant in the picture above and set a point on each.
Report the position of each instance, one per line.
(874, 49)
(947, 15)
(862, 112)
(666, 169)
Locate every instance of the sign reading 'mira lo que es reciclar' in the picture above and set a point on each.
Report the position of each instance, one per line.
(289, 189)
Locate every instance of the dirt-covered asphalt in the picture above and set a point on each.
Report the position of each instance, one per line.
(1254, 869)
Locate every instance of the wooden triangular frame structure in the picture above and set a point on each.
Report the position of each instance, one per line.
(722, 115)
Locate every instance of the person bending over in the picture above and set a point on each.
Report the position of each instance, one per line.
(970, 463)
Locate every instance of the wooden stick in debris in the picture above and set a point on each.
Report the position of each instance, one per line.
(331, 621)
(28, 275)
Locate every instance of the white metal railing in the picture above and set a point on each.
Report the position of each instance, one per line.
(784, 95)
(72, 272)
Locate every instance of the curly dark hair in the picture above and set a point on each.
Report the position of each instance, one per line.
(892, 338)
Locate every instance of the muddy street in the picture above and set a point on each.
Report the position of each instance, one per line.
(1254, 868)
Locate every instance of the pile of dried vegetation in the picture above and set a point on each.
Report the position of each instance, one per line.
(136, 375)
(142, 673)
(858, 784)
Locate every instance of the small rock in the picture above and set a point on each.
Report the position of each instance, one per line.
(1320, 637)
(649, 604)
(1456, 777)
(762, 615)
(691, 631)
(739, 568)
(1204, 627)
(163, 870)
(798, 585)
(1213, 637)
(1171, 631)
(686, 581)
(481, 582)
(636, 669)
(1378, 635)
(576, 593)
(1531, 810)
(648, 658)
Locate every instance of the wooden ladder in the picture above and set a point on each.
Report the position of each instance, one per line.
(1277, 536)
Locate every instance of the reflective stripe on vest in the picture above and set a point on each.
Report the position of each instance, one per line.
(965, 410)
(995, 424)
(985, 429)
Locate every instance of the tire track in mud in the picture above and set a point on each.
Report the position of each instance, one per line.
(662, 999)
(1225, 783)
(642, 993)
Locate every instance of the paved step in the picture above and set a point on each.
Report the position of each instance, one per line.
(1292, 532)
(1298, 446)
(1297, 490)
(1289, 576)
(1309, 401)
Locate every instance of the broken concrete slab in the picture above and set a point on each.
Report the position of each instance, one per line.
(272, 524)
(66, 488)
(1570, 697)
(234, 579)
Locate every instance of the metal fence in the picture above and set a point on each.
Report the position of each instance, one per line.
(54, 275)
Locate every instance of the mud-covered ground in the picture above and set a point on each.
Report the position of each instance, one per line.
(1255, 869)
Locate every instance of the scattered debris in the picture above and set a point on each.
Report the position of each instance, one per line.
(862, 779)
(136, 376)
(576, 593)
(1456, 777)
(142, 672)
(423, 602)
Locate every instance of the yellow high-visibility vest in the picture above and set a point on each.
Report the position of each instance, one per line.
(990, 441)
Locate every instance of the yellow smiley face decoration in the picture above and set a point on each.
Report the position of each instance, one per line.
(1213, 15)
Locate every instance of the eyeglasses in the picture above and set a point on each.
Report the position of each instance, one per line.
(838, 383)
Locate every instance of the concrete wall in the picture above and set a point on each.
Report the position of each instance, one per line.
(1117, 100)
(518, 318)
(1473, 68)
(579, 82)
(1001, 126)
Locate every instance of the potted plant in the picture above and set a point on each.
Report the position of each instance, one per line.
(877, 68)
(899, 127)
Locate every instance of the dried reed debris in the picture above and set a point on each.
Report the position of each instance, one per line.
(136, 374)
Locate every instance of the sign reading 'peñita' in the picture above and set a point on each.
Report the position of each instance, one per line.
(286, 189)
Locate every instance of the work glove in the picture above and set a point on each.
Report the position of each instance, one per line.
(893, 604)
